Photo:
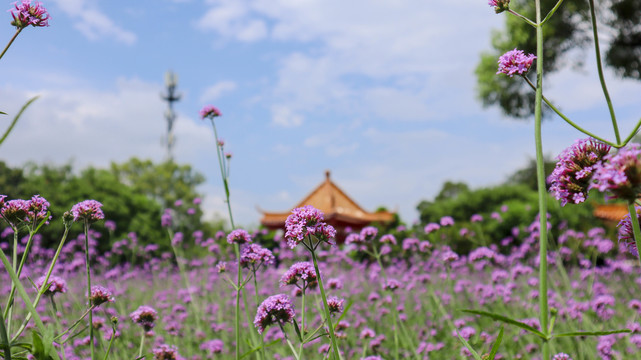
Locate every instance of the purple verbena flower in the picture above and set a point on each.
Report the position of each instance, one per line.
(499, 5)
(24, 14)
(368, 233)
(100, 295)
(56, 285)
(300, 271)
(335, 304)
(561, 356)
(515, 61)
(447, 221)
(166, 218)
(209, 111)
(239, 236)
(431, 227)
(166, 352)
(88, 210)
(572, 176)
(307, 221)
(626, 234)
(15, 211)
(256, 255)
(214, 346)
(37, 209)
(476, 218)
(145, 316)
(388, 239)
(620, 173)
(392, 285)
(276, 309)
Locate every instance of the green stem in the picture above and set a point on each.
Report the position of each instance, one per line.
(238, 294)
(540, 174)
(302, 324)
(5, 345)
(9, 308)
(635, 227)
(18, 272)
(88, 311)
(549, 15)
(572, 123)
(46, 281)
(530, 22)
(600, 69)
(185, 278)
(262, 338)
(327, 314)
(91, 344)
(11, 42)
(142, 343)
(111, 341)
(394, 322)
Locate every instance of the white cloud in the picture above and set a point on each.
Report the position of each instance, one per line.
(94, 24)
(231, 18)
(217, 90)
(285, 117)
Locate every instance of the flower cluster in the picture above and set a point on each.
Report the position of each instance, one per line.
(499, 5)
(24, 14)
(100, 295)
(620, 173)
(335, 304)
(88, 210)
(55, 285)
(145, 316)
(515, 61)
(626, 234)
(300, 271)
(572, 176)
(276, 309)
(209, 111)
(239, 236)
(15, 211)
(254, 254)
(307, 221)
(166, 352)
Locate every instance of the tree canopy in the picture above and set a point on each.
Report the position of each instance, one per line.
(569, 29)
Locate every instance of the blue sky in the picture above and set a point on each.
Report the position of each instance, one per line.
(382, 93)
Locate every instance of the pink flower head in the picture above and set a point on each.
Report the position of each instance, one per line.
(300, 271)
(56, 285)
(88, 210)
(276, 309)
(145, 316)
(572, 176)
(15, 211)
(626, 235)
(431, 227)
(304, 222)
(447, 221)
(239, 236)
(166, 352)
(209, 111)
(515, 61)
(256, 255)
(561, 356)
(499, 5)
(37, 209)
(620, 173)
(25, 14)
(368, 233)
(388, 239)
(100, 295)
(335, 304)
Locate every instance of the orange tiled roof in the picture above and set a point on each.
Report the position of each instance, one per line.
(334, 203)
(613, 212)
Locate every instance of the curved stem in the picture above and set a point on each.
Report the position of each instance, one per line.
(554, 9)
(238, 295)
(8, 311)
(572, 123)
(600, 69)
(262, 338)
(540, 174)
(11, 42)
(530, 22)
(88, 311)
(46, 281)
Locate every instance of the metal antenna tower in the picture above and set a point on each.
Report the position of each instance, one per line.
(171, 96)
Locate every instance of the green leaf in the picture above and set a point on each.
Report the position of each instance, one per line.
(15, 119)
(298, 332)
(3, 113)
(468, 346)
(497, 343)
(592, 333)
(507, 320)
(258, 348)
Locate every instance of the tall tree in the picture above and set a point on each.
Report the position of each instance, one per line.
(569, 29)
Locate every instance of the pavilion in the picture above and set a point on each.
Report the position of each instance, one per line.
(340, 211)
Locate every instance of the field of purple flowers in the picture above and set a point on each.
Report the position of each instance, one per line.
(184, 309)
